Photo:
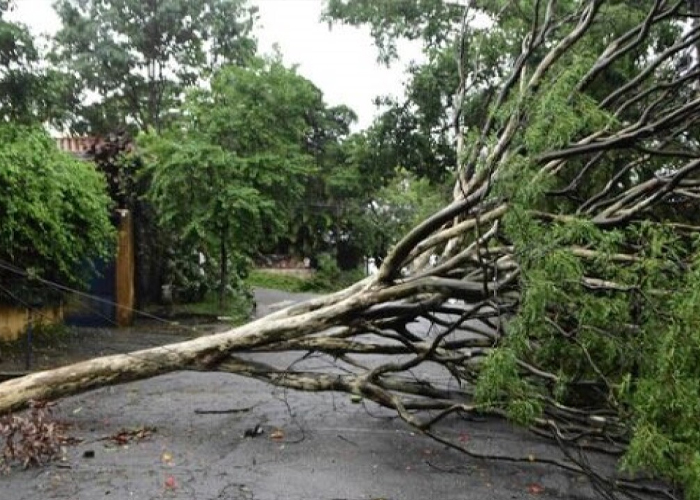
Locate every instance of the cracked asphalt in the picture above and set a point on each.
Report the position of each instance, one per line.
(304, 446)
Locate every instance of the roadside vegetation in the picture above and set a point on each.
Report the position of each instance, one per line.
(327, 278)
(265, 278)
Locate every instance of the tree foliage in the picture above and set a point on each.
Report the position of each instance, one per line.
(261, 114)
(137, 57)
(329, 186)
(29, 92)
(54, 210)
(430, 21)
(205, 205)
(240, 155)
(399, 206)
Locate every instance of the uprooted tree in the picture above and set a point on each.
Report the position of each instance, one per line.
(566, 292)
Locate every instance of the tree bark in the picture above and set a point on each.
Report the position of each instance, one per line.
(223, 267)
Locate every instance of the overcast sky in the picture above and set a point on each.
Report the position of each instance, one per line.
(341, 61)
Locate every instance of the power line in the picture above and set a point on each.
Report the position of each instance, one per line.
(64, 288)
(67, 289)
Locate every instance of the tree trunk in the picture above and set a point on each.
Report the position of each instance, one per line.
(203, 353)
(223, 268)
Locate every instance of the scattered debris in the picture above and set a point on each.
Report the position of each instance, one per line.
(254, 431)
(199, 411)
(170, 483)
(31, 439)
(535, 488)
(167, 458)
(126, 436)
(347, 440)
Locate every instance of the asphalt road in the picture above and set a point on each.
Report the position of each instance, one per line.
(312, 447)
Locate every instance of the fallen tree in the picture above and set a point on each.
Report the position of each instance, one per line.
(565, 295)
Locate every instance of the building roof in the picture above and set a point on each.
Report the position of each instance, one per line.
(78, 145)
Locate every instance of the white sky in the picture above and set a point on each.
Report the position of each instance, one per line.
(340, 61)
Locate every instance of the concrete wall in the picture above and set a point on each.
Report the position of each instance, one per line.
(14, 321)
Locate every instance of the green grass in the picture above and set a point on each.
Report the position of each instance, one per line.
(278, 281)
(325, 280)
(236, 308)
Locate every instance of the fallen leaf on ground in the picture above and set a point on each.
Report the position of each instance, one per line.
(277, 434)
(170, 483)
(125, 436)
(166, 458)
(535, 488)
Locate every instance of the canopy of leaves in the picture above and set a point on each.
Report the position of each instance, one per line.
(241, 156)
(431, 21)
(204, 204)
(419, 130)
(29, 92)
(262, 115)
(54, 210)
(329, 185)
(138, 57)
(394, 209)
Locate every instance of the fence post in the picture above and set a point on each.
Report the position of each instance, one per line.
(124, 279)
(29, 340)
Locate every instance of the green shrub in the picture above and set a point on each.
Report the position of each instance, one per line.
(329, 277)
(277, 281)
(54, 211)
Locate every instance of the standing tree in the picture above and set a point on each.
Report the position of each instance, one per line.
(239, 156)
(570, 253)
(202, 200)
(315, 216)
(138, 56)
(134, 61)
(30, 93)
